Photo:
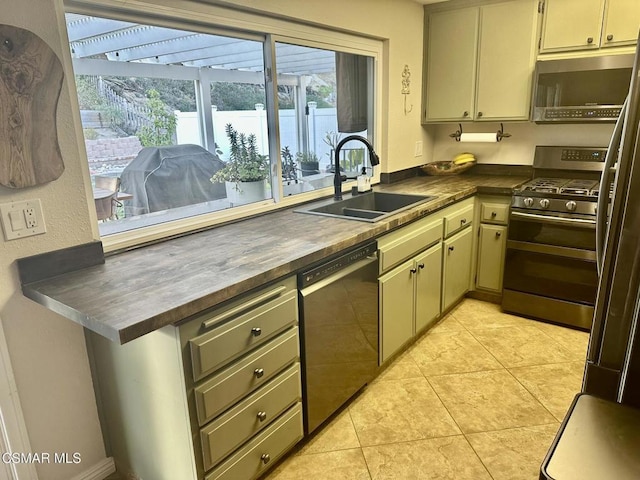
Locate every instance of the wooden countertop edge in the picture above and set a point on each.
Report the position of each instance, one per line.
(126, 333)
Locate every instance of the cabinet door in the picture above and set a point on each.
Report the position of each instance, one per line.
(428, 281)
(457, 267)
(621, 21)
(396, 309)
(572, 25)
(506, 59)
(493, 242)
(451, 64)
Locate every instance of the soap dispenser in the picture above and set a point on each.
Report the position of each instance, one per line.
(364, 181)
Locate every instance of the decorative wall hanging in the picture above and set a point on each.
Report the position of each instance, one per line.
(30, 82)
(406, 87)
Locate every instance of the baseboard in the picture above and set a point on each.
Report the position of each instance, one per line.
(99, 471)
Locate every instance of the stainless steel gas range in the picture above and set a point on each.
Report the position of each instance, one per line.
(550, 266)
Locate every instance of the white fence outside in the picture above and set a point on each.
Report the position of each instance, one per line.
(320, 122)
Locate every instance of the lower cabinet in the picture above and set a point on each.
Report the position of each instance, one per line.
(422, 275)
(456, 267)
(216, 397)
(409, 299)
(492, 244)
(493, 219)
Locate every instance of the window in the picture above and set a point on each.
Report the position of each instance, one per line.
(180, 123)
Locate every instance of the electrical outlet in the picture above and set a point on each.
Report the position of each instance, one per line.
(418, 150)
(30, 217)
(22, 219)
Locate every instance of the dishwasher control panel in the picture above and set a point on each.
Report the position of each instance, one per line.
(329, 267)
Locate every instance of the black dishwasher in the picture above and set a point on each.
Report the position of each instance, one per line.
(339, 329)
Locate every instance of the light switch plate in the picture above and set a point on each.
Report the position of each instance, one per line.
(22, 219)
(418, 149)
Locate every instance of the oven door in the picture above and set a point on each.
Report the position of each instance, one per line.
(550, 268)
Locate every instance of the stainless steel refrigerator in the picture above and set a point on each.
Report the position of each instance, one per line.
(613, 357)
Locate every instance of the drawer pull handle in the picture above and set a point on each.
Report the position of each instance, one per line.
(259, 372)
(254, 302)
(256, 331)
(262, 416)
(494, 214)
(498, 234)
(463, 221)
(421, 266)
(265, 458)
(451, 249)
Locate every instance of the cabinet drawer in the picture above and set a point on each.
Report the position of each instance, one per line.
(400, 245)
(246, 329)
(233, 428)
(234, 382)
(261, 452)
(494, 213)
(457, 220)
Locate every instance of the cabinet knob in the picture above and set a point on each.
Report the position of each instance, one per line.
(413, 270)
(590, 40)
(465, 114)
(463, 221)
(498, 234)
(421, 266)
(451, 249)
(256, 331)
(258, 372)
(479, 114)
(262, 416)
(494, 214)
(609, 37)
(265, 458)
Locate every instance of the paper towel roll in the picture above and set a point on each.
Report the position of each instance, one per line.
(479, 137)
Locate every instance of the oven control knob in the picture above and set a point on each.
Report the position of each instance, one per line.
(528, 202)
(571, 205)
(544, 203)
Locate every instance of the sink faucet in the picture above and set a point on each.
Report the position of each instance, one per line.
(338, 178)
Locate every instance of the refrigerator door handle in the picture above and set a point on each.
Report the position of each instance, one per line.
(603, 191)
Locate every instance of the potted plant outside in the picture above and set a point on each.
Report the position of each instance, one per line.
(309, 163)
(290, 182)
(245, 174)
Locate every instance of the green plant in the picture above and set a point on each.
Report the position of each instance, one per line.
(163, 123)
(289, 170)
(245, 163)
(307, 157)
(90, 134)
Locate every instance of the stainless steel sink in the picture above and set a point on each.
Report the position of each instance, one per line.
(367, 207)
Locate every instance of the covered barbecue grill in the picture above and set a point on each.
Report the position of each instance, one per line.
(162, 178)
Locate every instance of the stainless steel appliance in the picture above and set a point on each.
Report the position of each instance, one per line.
(613, 357)
(550, 266)
(339, 328)
(576, 90)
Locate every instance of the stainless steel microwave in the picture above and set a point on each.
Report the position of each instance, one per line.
(581, 90)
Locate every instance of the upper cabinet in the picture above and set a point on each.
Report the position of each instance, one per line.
(480, 62)
(589, 24)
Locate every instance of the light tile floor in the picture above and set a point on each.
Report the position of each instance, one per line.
(479, 396)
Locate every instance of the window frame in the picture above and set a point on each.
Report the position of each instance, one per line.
(244, 25)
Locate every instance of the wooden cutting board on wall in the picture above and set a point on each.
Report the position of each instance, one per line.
(30, 82)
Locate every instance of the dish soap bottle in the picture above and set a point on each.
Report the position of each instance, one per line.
(364, 181)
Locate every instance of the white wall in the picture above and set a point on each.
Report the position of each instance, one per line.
(519, 148)
(47, 351)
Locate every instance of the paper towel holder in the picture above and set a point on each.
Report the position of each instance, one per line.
(499, 134)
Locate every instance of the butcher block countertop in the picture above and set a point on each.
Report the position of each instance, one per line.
(142, 290)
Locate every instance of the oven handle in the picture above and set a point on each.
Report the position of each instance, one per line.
(603, 190)
(545, 249)
(573, 222)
